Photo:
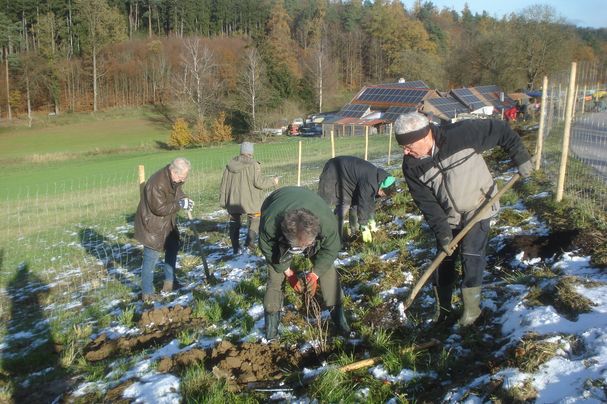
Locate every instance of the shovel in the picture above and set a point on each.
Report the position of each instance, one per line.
(210, 278)
(440, 257)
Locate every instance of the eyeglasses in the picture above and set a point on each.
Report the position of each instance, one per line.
(296, 250)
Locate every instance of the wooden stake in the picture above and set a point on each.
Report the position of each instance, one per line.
(366, 142)
(566, 133)
(141, 178)
(389, 143)
(299, 166)
(332, 144)
(540, 134)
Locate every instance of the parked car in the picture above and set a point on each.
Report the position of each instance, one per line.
(277, 128)
(311, 129)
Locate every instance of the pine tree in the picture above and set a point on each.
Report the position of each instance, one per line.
(180, 134)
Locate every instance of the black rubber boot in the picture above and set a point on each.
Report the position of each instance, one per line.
(271, 323)
(443, 296)
(339, 320)
(235, 235)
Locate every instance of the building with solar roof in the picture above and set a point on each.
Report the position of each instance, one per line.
(376, 107)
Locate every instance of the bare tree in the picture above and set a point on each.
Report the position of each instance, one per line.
(195, 82)
(102, 25)
(251, 85)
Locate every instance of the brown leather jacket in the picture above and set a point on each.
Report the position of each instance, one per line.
(157, 211)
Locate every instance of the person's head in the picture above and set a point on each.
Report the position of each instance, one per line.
(387, 186)
(300, 227)
(413, 133)
(179, 169)
(246, 149)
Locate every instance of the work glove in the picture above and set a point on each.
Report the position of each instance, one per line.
(312, 283)
(444, 245)
(525, 169)
(186, 204)
(373, 226)
(293, 281)
(367, 237)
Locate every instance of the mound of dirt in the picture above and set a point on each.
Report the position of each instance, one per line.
(165, 317)
(158, 326)
(181, 360)
(252, 362)
(103, 346)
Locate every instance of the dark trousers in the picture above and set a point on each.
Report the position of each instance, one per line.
(253, 220)
(471, 250)
(340, 212)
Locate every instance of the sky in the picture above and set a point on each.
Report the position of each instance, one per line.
(583, 13)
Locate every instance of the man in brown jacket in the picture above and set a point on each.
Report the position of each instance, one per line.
(242, 192)
(155, 223)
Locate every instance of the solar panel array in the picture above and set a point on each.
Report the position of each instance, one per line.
(492, 94)
(449, 106)
(408, 84)
(384, 95)
(392, 113)
(353, 110)
(466, 97)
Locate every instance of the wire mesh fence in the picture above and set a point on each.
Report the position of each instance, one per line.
(585, 166)
(75, 231)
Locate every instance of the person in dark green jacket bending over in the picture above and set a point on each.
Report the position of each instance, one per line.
(297, 221)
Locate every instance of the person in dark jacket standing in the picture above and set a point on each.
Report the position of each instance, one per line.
(242, 191)
(155, 223)
(449, 181)
(352, 184)
(295, 220)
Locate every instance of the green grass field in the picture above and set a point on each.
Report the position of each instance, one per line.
(47, 202)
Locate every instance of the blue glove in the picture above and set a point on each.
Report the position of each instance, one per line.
(186, 204)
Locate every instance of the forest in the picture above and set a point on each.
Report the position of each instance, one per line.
(249, 59)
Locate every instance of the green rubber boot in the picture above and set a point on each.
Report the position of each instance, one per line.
(271, 322)
(339, 320)
(472, 305)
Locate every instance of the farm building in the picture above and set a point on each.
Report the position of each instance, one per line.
(376, 107)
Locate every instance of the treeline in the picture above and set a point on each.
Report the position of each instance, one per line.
(248, 56)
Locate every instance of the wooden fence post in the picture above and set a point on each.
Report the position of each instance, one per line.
(141, 178)
(299, 166)
(540, 134)
(566, 133)
(366, 142)
(584, 100)
(389, 143)
(332, 145)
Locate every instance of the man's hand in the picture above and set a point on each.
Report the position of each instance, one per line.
(444, 245)
(312, 283)
(186, 204)
(293, 280)
(367, 237)
(373, 226)
(525, 169)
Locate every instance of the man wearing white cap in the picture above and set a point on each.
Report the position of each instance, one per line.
(242, 192)
(449, 181)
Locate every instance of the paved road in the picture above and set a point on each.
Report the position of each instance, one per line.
(589, 141)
